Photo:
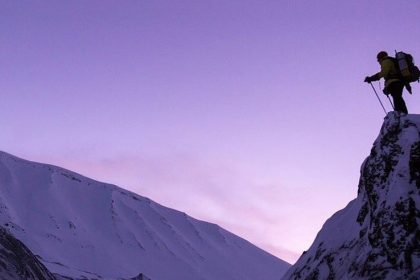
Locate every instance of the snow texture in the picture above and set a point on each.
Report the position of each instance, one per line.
(377, 235)
(84, 229)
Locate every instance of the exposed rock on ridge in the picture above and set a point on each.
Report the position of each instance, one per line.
(377, 235)
(18, 262)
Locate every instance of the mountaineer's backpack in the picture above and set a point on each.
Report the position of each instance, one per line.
(408, 70)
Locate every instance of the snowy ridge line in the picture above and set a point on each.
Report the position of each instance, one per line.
(81, 228)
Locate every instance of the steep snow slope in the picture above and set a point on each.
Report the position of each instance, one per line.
(83, 228)
(377, 236)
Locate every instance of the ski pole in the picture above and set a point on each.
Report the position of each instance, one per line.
(392, 105)
(387, 95)
(374, 90)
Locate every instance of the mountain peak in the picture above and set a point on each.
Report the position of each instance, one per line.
(81, 228)
(377, 235)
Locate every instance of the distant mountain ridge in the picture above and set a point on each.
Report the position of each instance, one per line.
(377, 236)
(82, 228)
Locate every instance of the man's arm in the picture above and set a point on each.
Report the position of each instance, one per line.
(386, 67)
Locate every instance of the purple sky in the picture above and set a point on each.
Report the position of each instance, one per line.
(249, 114)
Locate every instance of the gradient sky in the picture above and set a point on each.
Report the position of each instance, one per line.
(251, 114)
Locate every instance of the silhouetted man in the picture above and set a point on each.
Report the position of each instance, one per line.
(393, 84)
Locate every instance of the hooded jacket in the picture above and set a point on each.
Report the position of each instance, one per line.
(388, 71)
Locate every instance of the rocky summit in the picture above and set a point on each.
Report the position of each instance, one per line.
(377, 235)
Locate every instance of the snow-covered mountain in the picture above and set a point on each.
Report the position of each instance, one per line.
(377, 236)
(81, 228)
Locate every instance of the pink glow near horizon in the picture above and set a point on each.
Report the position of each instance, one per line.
(249, 114)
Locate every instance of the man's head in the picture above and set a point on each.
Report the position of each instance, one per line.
(381, 55)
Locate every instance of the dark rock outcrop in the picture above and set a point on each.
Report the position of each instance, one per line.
(377, 236)
(141, 276)
(18, 262)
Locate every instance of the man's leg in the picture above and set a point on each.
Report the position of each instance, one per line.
(396, 90)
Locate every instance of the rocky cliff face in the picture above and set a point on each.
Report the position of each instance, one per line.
(18, 262)
(377, 236)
